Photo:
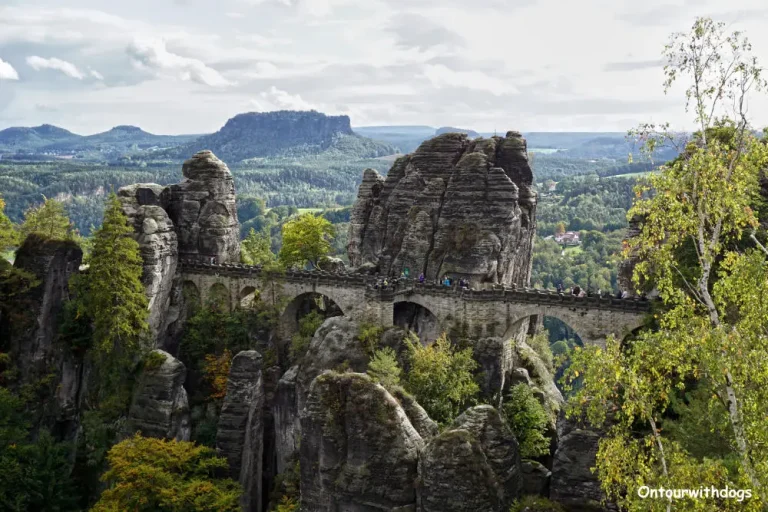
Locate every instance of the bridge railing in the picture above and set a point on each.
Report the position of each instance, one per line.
(411, 286)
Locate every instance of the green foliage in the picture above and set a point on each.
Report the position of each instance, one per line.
(306, 240)
(540, 343)
(256, 249)
(75, 327)
(153, 360)
(158, 475)
(34, 474)
(49, 220)
(528, 420)
(8, 234)
(307, 327)
(536, 504)
(369, 336)
(441, 377)
(115, 297)
(287, 505)
(383, 368)
(286, 493)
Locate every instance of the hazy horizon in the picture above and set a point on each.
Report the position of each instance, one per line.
(185, 67)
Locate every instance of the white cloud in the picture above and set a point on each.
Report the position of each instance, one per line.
(69, 69)
(95, 74)
(7, 72)
(277, 99)
(441, 76)
(152, 54)
(234, 15)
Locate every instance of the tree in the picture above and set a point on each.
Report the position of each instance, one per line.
(560, 228)
(694, 247)
(441, 377)
(8, 234)
(158, 475)
(306, 239)
(115, 298)
(528, 420)
(48, 220)
(256, 249)
(383, 368)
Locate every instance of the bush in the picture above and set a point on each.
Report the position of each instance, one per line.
(383, 368)
(540, 343)
(307, 327)
(528, 421)
(441, 377)
(369, 336)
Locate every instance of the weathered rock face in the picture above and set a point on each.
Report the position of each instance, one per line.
(495, 361)
(572, 483)
(240, 432)
(454, 206)
(160, 407)
(203, 210)
(29, 328)
(144, 206)
(455, 476)
(535, 478)
(359, 451)
(499, 445)
(418, 417)
(538, 373)
(287, 424)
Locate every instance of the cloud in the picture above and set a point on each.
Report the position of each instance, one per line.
(7, 72)
(69, 69)
(441, 76)
(44, 107)
(95, 74)
(633, 65)
(416, 31)
(234, 15)
(152, 55)
(277, 99)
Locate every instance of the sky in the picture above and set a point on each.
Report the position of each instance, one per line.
(186, 66)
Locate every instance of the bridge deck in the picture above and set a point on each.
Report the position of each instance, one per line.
(402, 290)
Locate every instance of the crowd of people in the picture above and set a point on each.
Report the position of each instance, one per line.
(581, 292)
(392, 282)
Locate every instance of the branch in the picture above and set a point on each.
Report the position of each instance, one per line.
(757, 242)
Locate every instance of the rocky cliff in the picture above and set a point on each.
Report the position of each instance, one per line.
(455, 206)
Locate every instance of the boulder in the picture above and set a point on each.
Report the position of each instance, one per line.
(535, 478)
(203, 209)
(144, 206)
(240, 433)
(572, 482)
(499, 445)
(453, 206)
(159, 407)
(455, 476)
(359, 451)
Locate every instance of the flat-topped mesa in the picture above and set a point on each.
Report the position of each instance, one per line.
(203, 209)
(455, 206)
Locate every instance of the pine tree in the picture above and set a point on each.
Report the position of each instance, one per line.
(48, 220)
(115, 295)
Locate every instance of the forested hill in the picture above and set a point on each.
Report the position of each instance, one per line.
(284, 133)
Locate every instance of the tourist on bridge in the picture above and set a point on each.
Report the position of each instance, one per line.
(421, 278)
(576, 290)
(446, 281)
(559, 287)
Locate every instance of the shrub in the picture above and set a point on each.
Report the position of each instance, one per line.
(383, 368)
(528, 420)
(307, 327)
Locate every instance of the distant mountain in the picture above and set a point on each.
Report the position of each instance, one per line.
(449, 129)
(285, 133)
(615, 147)
(22, 138)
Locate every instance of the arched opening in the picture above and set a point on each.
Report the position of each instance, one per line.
(191, 296)
(417, 318)
(303, 305)
(218, 296)
(248, 296)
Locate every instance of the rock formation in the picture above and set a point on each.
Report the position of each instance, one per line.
(499, 445)
(286, 414)
(454, 476)
(29, 328)
(535, 478)
(456, 206)
(359, 451)
(160, 407)
(240, 432)
(203, 210)
(418, 417)
(155, 233)
(194, 219)
(572, 483)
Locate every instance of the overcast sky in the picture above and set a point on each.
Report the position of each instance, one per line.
(186, 66)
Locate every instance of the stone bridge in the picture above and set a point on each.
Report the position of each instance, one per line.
(498, 311)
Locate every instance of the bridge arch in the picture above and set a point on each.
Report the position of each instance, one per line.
(247, 295)
(190, 294)
(301, 305)
(218, 295)
(416, 316)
